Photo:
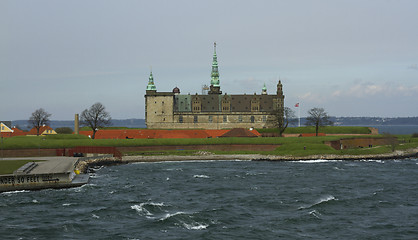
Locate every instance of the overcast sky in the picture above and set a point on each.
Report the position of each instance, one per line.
(353, 58)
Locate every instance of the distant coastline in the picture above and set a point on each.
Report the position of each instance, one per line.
(401, 125)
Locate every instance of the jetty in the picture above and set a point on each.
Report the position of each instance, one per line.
(54, 173)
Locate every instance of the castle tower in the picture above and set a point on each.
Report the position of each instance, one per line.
(280, 100)
(279, 89)
(215, 87)
(151, 86)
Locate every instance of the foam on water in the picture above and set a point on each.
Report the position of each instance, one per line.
(169, 215)
(372, 160)
(195, 226)
(201, 176)
(14, 192)
(318, 161)
(83, 188)
(315, 213)
(320, 201)
(143, 211)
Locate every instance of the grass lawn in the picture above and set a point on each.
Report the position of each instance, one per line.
(296, 146)
(9, 166)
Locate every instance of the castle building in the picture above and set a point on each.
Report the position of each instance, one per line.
(172, 110)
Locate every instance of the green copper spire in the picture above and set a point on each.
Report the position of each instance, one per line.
(264, 89)
(151, 85)
(215, 74)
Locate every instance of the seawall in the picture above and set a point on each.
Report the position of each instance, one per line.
(204, 156)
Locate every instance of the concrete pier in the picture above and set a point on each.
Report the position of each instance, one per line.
(53, 173)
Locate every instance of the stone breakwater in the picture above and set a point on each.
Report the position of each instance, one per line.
(104, 161)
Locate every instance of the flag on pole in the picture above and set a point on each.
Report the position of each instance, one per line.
(297, 105)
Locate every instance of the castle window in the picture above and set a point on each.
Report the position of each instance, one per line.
(180, 119)
(210, 119)
(264, 118)
(163, 102)
(240, 118)
(195, 119)
(225, 118)
(252, 119)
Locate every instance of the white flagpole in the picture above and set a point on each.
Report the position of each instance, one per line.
(299, 112)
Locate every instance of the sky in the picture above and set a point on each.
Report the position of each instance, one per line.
(353, 58)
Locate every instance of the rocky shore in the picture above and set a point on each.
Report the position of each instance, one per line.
(206, 156)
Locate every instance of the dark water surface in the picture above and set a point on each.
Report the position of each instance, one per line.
(224, 200)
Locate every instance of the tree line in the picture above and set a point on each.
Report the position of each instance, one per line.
(317, 117)
(97, 117)
(94, 117)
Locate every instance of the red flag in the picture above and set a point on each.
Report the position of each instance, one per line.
(297, 105)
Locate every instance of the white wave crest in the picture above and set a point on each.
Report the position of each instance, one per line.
(320, 201)
(141, 208)
(326, 199)
(169, 215)
(156, 204)
(195, 226)
(318, 161)
(14, 192)
(372, 160)
(315, 213)
(201, 176)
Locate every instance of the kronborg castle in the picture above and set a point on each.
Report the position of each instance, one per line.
(212, 110)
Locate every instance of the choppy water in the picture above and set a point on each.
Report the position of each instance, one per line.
(224, 200)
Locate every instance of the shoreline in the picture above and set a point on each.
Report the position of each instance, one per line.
(106, 161)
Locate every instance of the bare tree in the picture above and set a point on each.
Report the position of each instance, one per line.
(95, 117)
(289, 116)
(317, 117)
(391, 140)
(38, 119)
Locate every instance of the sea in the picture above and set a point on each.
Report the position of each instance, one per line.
(318, 199)
(396, 129)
